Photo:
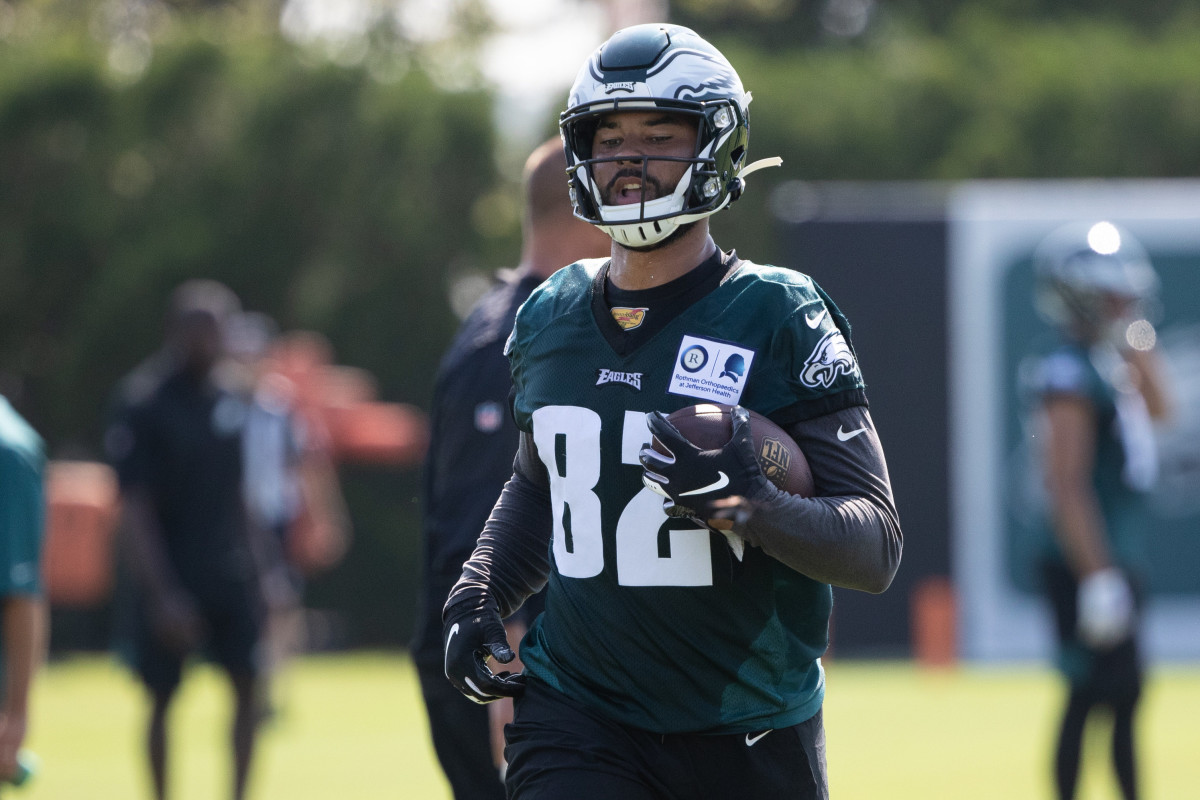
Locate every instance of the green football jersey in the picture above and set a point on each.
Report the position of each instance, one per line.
(1126, 453)
(22, 504)
(652, 620)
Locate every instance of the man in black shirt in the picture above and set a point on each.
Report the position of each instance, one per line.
(473, 441)
(176, 445)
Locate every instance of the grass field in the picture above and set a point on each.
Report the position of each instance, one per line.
(351, 727)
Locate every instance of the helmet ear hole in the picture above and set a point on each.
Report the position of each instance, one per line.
(736, 156)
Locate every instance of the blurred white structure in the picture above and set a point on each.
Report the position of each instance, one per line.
(993, 228)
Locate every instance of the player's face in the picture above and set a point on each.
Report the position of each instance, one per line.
(635, 138)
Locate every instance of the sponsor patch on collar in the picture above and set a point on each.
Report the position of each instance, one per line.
(629, 318)
(710, 370)
(633, 379)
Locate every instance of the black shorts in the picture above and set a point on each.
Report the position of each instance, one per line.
(235, 627)
(1113, 675)
(555, 750)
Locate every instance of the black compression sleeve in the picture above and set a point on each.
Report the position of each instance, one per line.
(511, 559)
(849, 534)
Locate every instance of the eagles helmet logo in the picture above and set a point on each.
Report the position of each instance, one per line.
(832, 356)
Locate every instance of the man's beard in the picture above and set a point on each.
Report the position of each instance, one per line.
(651, 187)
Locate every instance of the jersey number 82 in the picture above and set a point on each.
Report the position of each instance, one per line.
(579, 551)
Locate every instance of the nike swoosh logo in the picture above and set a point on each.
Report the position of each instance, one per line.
(815, 322)
(845, 436)
(719, 483)
(480, 699)
(753, 740)
(446, 651)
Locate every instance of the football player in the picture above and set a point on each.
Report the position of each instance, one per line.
(664, 665)
(1095, 396)
(22, 603)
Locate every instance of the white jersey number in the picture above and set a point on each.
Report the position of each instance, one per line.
(568, 442)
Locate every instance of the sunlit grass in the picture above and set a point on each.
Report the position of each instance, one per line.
(983, 734)
(352, 727)
(346, 727)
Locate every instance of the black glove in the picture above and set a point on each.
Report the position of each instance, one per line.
(472, 631)
(693, 482)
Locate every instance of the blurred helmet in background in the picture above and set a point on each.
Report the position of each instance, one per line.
(1093, 280)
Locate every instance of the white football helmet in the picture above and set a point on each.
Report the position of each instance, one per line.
(668, 67)
(1082, 268)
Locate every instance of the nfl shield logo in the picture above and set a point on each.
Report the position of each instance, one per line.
(774, 459)
(488, 417)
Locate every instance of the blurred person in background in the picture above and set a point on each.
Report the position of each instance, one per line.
(473, 441)
(272, 448)
(289, 480)
(22, 524)
(1094, 397)
(176, 443)
(687, 597)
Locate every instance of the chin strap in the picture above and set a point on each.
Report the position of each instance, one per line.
(762, 163)
(738, 184)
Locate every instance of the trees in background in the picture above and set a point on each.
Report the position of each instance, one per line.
(336, 197)
(339, 192)
(991, 97)
(346, 188)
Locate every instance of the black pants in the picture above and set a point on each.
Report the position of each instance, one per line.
(461, 737)
(557, 750)
(1109, 678)
(1113, 675)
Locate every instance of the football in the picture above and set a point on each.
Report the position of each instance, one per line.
(708, 426)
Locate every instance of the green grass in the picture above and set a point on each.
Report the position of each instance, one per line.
(900, 732)
(352, 727)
